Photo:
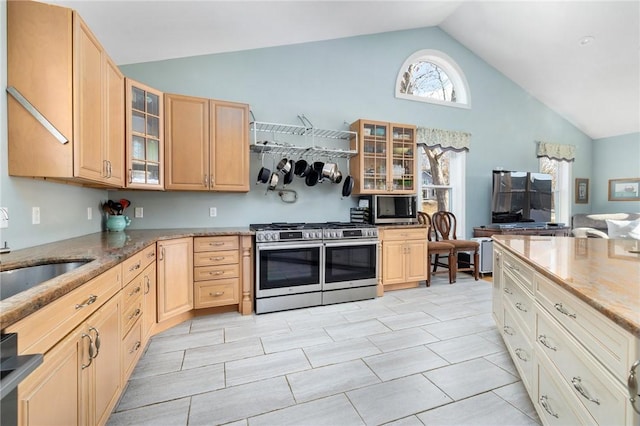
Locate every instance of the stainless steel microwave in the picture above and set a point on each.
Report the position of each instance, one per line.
(393, 209)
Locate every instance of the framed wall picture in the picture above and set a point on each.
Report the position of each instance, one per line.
(582, 191)
(624, 189)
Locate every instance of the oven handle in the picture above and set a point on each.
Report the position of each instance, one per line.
(285, 246)
(343, 243)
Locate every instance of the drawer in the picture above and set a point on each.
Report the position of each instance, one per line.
(41, 330)
(404, 234)
(201, 244)
(131, 349)
(610, 344)
(136, 263)
(520, 347)
(130, 315)
(216, 293)
(203, 273)
(552, 405)
(216, 258)
(132, 292)
(521, 302)
(592, 385)
(522, 273)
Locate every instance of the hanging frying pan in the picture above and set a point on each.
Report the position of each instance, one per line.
(347, 186)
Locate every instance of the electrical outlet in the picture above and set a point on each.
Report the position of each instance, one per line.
(213, 212)
(4, 217)
(35, 216)
(138, 212)
(89, 213)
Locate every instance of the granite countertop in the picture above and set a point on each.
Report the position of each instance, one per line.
(604, 273)
(103, 250)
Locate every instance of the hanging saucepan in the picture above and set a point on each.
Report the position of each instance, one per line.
(302, 168)
(312, 178)
(337, 177)
(329, 170)
(264, 173)
(347, 186)
(273, 181)
(288, 177)
(284, 165)
(317, 167)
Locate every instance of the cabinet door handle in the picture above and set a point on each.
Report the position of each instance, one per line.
(96, 343)
(632, 386)
(205, 182)
(90, 350)
(147, 284)
(161, 254)
(522, 354)
(134, 314)
(135, 347)
(521, 307)
(130, 176)
(563, 310)
(216, 294)
(545, 404)
(92, 298)
(508, 330)
(577, 383)
(543, 339)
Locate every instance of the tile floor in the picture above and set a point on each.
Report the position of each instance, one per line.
(427, 356)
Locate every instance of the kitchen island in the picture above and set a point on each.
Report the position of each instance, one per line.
(568, 310)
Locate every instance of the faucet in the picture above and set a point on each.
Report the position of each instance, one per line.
(5, 249)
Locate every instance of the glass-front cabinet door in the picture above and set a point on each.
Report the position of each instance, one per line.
(145, 146)
(386, 158)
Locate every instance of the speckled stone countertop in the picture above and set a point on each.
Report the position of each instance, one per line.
(103, 249)
(603, 273)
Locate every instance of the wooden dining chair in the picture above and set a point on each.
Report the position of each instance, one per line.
(445, 224)
(438, 248)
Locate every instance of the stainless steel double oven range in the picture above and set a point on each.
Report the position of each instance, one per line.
(311, 264)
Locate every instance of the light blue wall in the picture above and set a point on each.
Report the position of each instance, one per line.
(332, 82)
(339, 81)
(614, 158)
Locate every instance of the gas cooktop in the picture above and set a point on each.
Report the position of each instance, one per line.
(286, 226)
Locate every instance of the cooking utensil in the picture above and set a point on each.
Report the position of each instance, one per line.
(312, 178)
(273, 181)
(347, 186)
(263, 175)
(125, 203)
(329, 170)
(317, 167)
(302, 168)
(337, 178)
(118, 208)
(284, 165)
(288, 177)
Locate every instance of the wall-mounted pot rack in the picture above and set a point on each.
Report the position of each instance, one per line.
(264, 140)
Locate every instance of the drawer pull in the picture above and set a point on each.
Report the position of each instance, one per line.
(216, 272)
(508, 290)
(521, 307)
(508, 330)
(90, 350)
(217, 293)
(151, 254)
(577, 383)
(135, 347)
(563, 310)
(134, 267)
(510, 266)
(632, 386)
(218, 244)
(217, 258)
(546, 406)
(134, 291)
(87, 302)
(520, 353)
(543, 339)
(134, 314)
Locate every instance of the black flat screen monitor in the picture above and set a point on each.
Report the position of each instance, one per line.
(521, 197)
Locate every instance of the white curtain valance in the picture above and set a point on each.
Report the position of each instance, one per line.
(445, 139)
(556, 151)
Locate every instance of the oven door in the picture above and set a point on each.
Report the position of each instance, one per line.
(350, 263)
(283, 268)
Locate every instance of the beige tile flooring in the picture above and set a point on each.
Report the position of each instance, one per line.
(429, 356)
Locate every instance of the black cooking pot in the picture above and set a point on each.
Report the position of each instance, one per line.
(312, 178)
(302, 168)
(263, 175)
(347, 186)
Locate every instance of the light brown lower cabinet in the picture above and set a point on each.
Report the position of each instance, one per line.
(404, 257)
(175, 277)
(79, 379)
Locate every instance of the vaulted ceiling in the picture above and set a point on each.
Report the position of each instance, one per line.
(580, 58)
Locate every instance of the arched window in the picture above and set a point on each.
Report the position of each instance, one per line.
(432, 76)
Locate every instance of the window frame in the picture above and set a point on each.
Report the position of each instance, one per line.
(449, 66)
(562, 194)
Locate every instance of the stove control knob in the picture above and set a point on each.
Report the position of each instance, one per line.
(305, 235)
(259, 237)
(334, 234)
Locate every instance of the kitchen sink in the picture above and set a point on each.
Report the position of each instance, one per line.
(14, 281)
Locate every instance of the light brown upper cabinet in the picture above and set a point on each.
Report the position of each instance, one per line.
(145, 136)
(386, 160)
(206, 144)
(69, 87)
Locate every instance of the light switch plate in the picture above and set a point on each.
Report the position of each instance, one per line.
(4, 217)
(138, 212)
(35, 215)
